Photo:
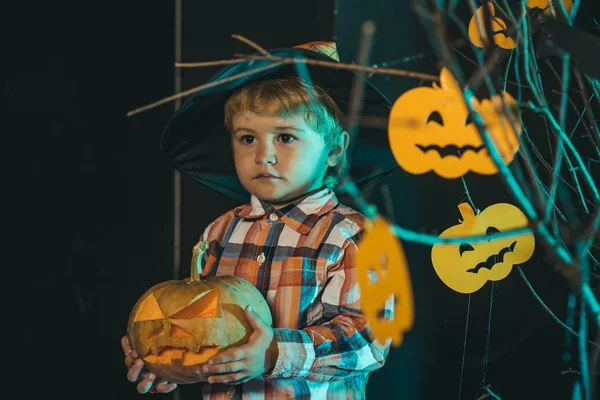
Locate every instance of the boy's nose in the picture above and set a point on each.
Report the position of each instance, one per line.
(265, 155)
(265, 160)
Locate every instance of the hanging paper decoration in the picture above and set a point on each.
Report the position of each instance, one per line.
(382, 274)
(546, 5)
(466, 267)
(430, 129)
(497, 26)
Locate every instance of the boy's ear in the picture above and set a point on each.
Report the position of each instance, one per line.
(338, 149)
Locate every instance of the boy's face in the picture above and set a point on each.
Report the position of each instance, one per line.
(278, 159)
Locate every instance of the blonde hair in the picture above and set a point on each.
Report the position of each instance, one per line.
(289, 96)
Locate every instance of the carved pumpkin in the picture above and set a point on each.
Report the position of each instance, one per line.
(547, 6)
(382, 274)
(430, 130)
(465, 268)
(497, 26)
(177, 325)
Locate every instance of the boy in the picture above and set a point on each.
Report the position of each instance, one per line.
(293, 241)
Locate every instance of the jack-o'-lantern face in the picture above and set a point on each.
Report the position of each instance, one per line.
(383, 276)
(178, 329)
(176, 326)
(547, 5)
(430, 129)
(465, 268)
(497, 26)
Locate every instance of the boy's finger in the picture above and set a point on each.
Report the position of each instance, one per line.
(255, 320)
(125, 344)
(228, 378)
(130, 359)
(224, 368)
(235, 354)
(134, 371)
(145, 384)
(164, 386)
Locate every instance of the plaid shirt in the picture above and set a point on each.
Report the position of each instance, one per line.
(301, 258)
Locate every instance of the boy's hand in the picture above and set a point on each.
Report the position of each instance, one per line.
(148, 381)
(240, 364)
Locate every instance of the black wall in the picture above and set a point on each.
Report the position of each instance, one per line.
(90, 221)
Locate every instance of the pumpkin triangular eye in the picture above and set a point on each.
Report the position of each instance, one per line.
(491, 230)
(469, 119)
(436, 117)
(204, 306)
(176, 332)
(149, 310)
(464, 247)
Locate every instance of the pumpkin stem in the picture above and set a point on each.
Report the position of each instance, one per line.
(466, 211)
(196, 267)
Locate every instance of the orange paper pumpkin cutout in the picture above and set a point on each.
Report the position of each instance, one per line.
(382, 274)
(498, 27)
(430, 129)
(466, 267)
(546, 5)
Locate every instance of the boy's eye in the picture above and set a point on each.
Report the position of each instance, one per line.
(247, 139)
(286, 138)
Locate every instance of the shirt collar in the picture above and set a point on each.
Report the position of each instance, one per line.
(300, 216)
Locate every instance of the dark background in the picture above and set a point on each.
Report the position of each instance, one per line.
(91, 200)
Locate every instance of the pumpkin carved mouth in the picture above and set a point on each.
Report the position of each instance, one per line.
(167, 354)
(171, 355)
(493, 259)
(450, 150)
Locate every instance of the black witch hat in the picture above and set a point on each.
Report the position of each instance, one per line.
(198, 145)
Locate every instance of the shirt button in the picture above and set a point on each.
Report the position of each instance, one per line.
(286, 374)
(231, 391)
(261, 258)
(273, 217)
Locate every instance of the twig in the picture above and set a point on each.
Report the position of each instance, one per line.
(201, 87)
(571, 371)
(593, 136)
(370, 211)
(339, 65)
(588, 178)
(493, 92)
(358, 83)
(252, 44)
(488, 394)
(278, 61)
(588, 106)
(548, 310)
(208, 63)
(389, 204)
(560, 148)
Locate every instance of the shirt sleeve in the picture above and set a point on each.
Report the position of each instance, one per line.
(342, 344)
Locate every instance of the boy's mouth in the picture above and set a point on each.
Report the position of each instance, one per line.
(265, 176)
